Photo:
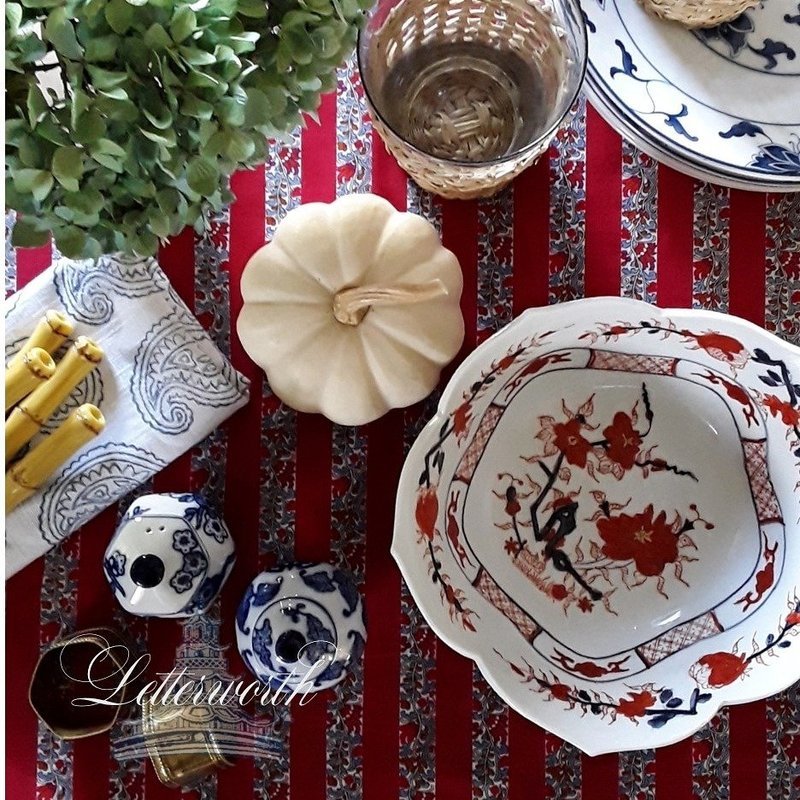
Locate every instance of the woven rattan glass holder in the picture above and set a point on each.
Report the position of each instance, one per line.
(504, 75)
(698, 13)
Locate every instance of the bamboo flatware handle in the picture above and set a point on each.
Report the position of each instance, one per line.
(28, 474)
(24, 374)
(39, 405)
(52, 330)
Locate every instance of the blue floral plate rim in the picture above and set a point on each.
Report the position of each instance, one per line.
(769, 165)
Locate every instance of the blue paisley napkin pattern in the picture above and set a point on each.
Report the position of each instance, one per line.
(163, 386)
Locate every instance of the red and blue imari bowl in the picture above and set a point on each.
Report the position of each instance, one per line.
(605, 516)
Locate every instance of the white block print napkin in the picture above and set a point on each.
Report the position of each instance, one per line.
(162, 386)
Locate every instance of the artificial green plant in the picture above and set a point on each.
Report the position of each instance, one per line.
(125, 118)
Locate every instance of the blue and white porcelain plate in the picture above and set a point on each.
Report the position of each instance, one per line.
(721, 104)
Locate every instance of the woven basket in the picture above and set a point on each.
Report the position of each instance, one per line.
(461, 151)
(447, 179)
(698, 13)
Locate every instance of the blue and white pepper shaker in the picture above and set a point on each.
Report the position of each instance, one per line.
(301, 627)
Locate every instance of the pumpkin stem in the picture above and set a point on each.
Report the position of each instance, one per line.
(350, 306)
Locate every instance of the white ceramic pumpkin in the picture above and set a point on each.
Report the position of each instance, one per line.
(352, 309)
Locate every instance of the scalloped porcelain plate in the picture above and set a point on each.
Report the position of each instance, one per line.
(721, 104)
(604, 515)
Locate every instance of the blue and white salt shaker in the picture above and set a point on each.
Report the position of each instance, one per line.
(170, 556)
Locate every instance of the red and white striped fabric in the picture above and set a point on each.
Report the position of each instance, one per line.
(594, 217)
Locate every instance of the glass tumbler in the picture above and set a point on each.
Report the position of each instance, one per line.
(468, 93)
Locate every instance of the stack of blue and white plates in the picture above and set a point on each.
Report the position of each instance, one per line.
(721, 104)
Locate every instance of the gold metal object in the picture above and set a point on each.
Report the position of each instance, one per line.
(182, 749)
(24, 374)
(53, 687)
(39, 405)
(28, 474)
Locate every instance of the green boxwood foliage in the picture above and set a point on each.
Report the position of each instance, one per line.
(125, 118)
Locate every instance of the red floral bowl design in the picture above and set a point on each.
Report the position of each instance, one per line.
(604, 516)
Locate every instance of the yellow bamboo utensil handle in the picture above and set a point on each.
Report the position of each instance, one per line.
(39, 405)
(52, 330)
(20, 429)
(28, 474)
(25, 374)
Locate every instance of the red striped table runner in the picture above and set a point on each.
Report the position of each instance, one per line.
(595, 216)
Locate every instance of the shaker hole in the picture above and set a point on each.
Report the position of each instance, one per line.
(289, 645)
(147, 571)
